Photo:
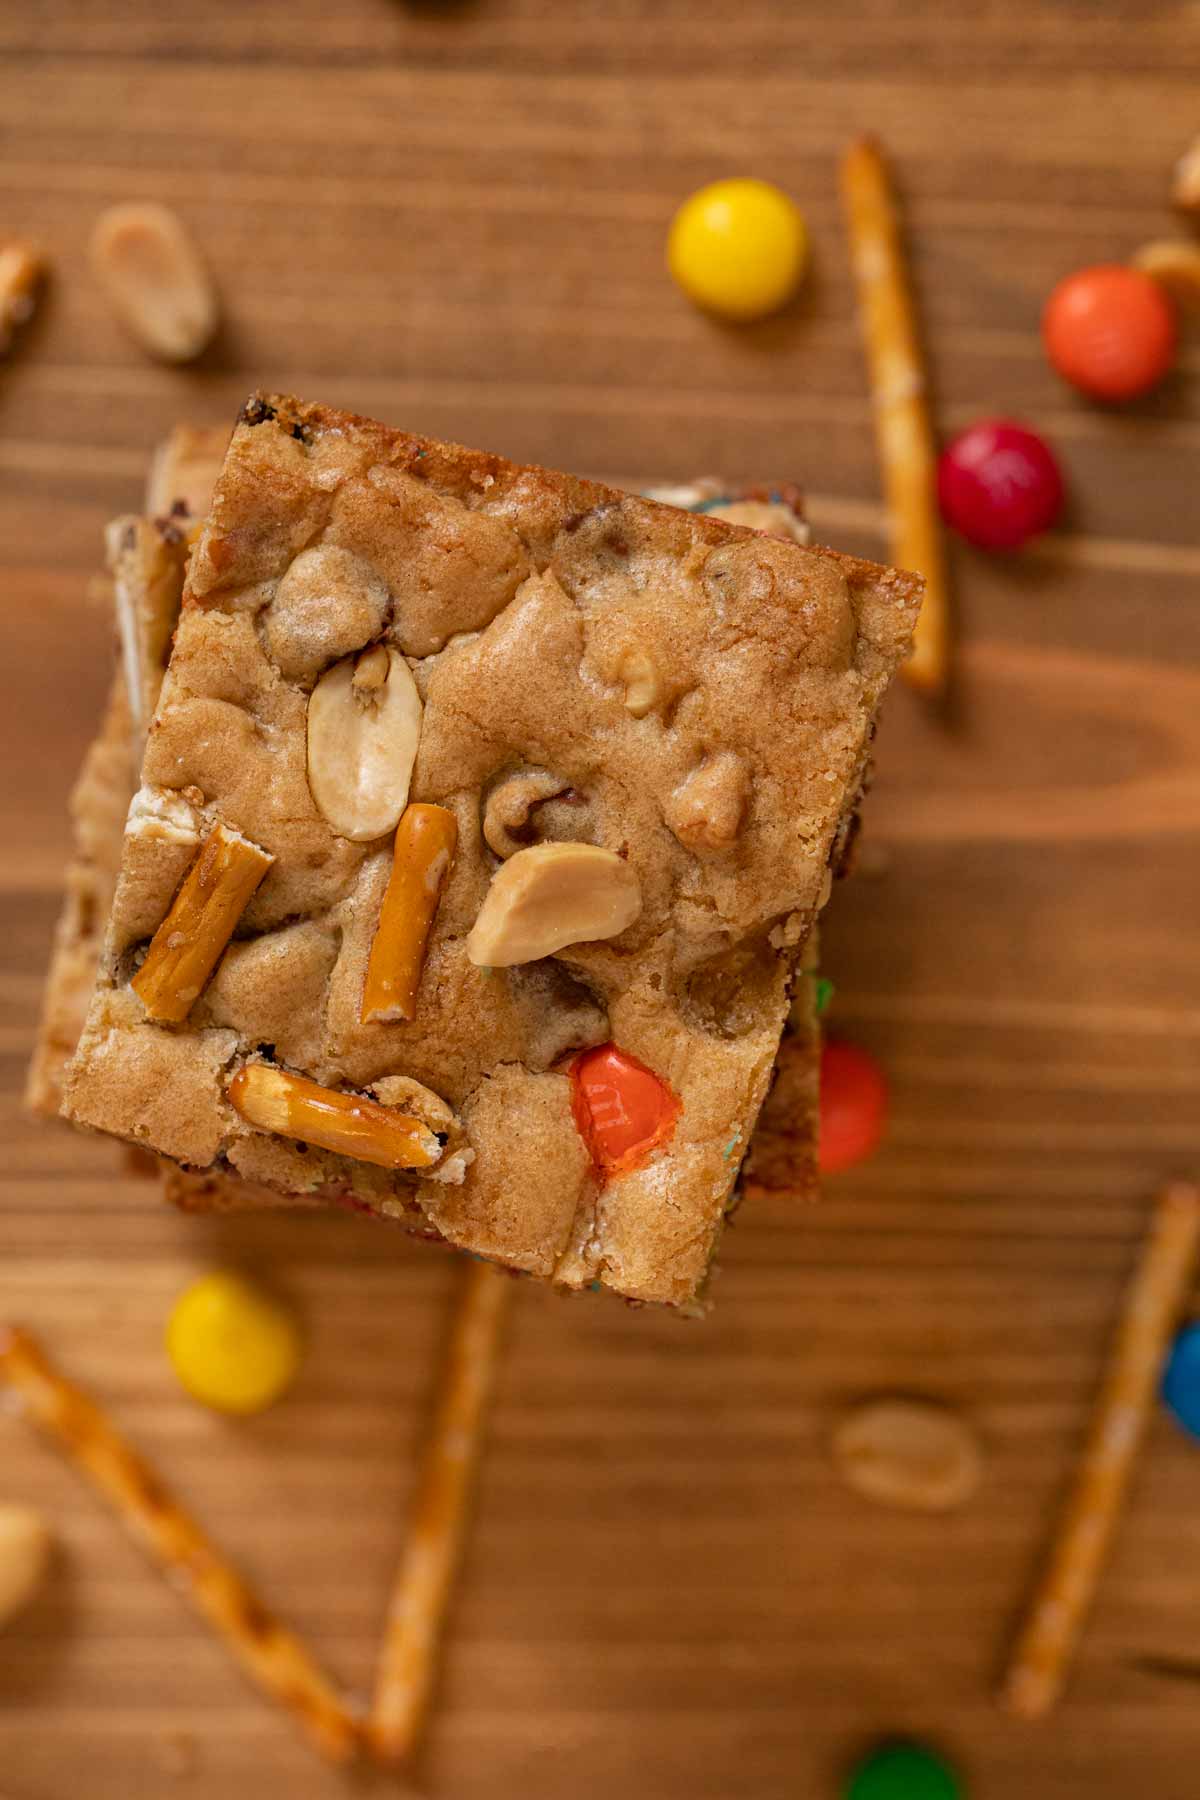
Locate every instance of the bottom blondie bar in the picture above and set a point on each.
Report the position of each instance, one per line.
(145, 558)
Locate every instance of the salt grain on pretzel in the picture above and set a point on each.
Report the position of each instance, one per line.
(903, 429)
(268, 1653)
(407, 1662)
(1043, 1652)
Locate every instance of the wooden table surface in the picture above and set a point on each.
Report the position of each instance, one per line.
(453, 216)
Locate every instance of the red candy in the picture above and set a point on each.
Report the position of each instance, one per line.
(853, 1109)
(998, 484)
(1110, 331)
(622, 1110)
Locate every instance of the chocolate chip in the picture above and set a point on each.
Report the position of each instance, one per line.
(256, 411)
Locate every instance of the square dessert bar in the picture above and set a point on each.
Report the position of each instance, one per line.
(146, 559)
(782, 1158)
(484, 814)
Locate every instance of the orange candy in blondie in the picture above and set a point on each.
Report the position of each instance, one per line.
(622, 1109)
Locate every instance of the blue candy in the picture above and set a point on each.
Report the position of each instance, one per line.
(1181, 1379)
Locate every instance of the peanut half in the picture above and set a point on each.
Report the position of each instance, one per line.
(426, 838)
(1185, 182)
(24, 1554)
(549, 896)
(1175, 264)
(155, 280)
(774, 517)
(188, 944)
(364, 723)
(348, 1124)
(908, 1453)
(705, 812)
(638, 674)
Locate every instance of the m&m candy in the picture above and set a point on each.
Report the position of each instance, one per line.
(999, 484)
(1181, 1379)
(233, 1346)
(1110, 331)
(903, 1771)
(853, 1106)
(622, 1110)
(738, 248)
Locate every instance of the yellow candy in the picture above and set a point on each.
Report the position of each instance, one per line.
(232, 1346)
(738, 248)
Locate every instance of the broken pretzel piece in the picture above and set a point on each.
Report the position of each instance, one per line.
(188, 944)
(21, 271)
(899, 390)
(438, 1522)
(269, 1654)
(426, 838)
(348, 1124)
(1156, 1295)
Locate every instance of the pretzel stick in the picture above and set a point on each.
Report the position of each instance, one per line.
(1089, 1519)
(268, 1653)
(437, 1526)
(902, 425)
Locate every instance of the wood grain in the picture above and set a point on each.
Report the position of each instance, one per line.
(453, 215)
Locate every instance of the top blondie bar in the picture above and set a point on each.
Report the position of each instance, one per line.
(483, 816)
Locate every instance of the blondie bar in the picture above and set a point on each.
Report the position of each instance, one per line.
(483, 816)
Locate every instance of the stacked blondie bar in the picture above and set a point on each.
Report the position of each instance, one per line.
(482, 822)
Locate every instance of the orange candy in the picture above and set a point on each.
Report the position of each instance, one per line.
(1110, 331)
(622, 1109)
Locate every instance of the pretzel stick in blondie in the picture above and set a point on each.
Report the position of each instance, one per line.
(269, 1654)
(349, 1124)
(437, 1526)
(189, 943)
(1156, 1294)
(902, 424)
(424, 847)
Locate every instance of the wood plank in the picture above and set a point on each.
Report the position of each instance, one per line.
(453, 215)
